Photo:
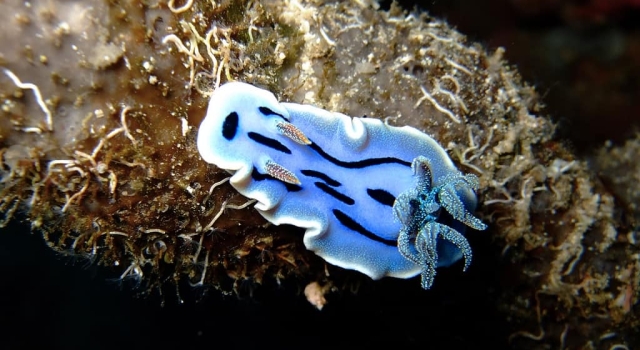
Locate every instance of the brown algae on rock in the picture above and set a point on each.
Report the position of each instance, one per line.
(116, 177)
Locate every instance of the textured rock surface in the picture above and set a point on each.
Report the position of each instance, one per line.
(619, 169)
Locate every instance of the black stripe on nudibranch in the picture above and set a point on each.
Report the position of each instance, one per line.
(335, 194)
(269, 142)
(382, 196)
(351, 224)
(257, 176)
(322, 176)
(267, 112)
(360, 163)
(230, 126)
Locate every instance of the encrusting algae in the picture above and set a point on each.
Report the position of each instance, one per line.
(101, 102)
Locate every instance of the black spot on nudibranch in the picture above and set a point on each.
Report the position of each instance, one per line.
(230, 126)
(360, 163)
(269, 142)
(257, 176)
(268, 111)
(335, 194)
(351, 224)
(322, 176)
(381, 196)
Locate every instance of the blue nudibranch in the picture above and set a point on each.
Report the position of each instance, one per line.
(383, 200)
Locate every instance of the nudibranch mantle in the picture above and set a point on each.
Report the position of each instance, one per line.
(382, 200)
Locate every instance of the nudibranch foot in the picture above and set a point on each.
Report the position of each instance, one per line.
(419, 208)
